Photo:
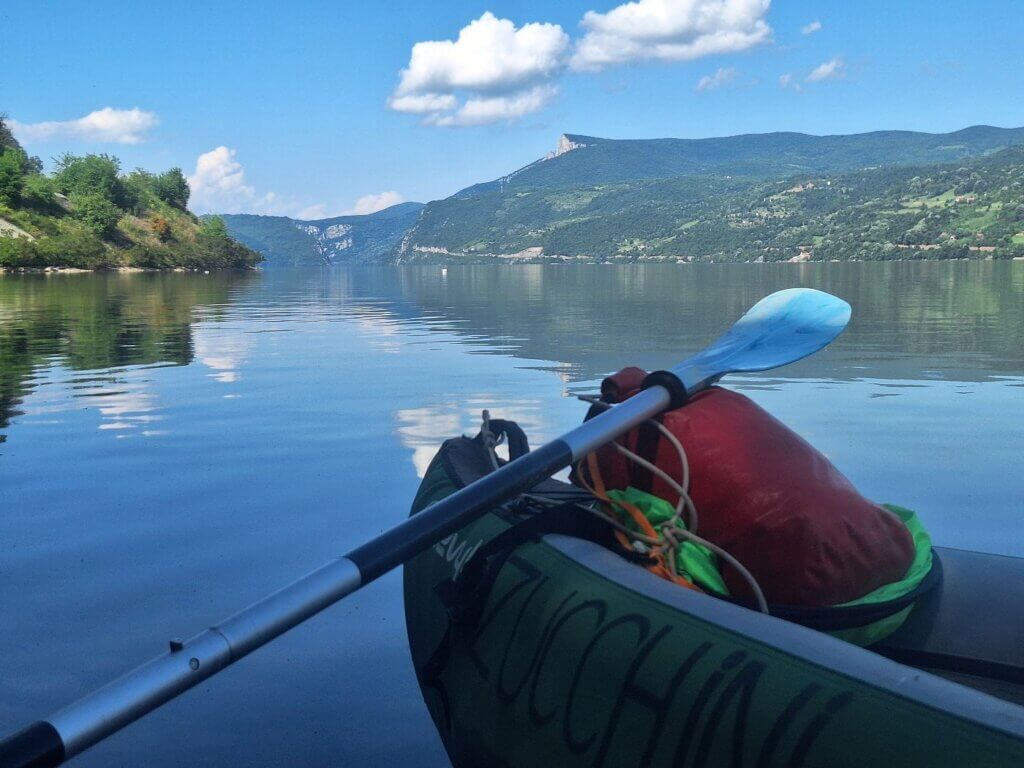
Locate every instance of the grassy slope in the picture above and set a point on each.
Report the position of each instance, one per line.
(134, 242)
(62, 241)
(957, 210)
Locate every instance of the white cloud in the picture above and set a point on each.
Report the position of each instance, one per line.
(316, 212)
(218, 185)
(118, 126)
(670, 30)
(722, 76)
(493, 71)
(492, 109)
(373, 203)
(364, 205)
(810, 29)
(787, 81)
(424, 103)
(833, 69)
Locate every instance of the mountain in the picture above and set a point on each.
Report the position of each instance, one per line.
(758, 197)
(893, 194)
(588, 160)
(370, 238)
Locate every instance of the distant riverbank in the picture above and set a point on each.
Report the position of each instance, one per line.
(58, 270)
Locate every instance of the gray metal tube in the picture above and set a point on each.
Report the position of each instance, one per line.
(591, 435)
(93, 718)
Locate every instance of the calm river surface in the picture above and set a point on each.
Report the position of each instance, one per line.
(173, 447)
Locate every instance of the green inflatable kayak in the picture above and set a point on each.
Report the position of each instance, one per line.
(536, 645)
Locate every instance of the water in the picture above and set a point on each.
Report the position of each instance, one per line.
(173, 447)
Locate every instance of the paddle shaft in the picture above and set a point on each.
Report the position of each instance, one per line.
(96, 716)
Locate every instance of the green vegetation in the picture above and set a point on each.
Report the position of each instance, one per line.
(764, 155)
(90, 215)
(970, 209)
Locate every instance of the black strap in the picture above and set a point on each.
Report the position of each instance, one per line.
(466, 594)
(518, 444)
(835, 618)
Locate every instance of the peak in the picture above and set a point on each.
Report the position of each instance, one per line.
(567, 143)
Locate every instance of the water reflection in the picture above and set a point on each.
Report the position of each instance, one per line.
(222, 349)
(113, 326)
(424, 429)
(913, 322)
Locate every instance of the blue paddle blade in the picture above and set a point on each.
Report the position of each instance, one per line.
(780, 329)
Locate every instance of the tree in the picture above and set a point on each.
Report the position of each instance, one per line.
(7, 139)
(91, 175)
(138, 191)
(214, 227)
(96, 212)
(37, 192)
(172, 188)
(12, 177)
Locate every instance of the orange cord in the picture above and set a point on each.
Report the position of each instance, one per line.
(598, 489)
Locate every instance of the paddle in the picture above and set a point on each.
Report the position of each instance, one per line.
(780, 329)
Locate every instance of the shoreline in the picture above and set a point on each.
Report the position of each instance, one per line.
(58, 270)
(124, 270)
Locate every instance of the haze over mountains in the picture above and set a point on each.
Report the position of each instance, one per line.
(758, 197)
(371, 238)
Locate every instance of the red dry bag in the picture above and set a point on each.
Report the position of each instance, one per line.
(767, 497)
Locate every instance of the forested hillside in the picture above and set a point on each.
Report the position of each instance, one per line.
(588, 160)
(89, 214)
(973, 208)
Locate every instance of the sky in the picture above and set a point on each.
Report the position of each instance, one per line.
(313, 109)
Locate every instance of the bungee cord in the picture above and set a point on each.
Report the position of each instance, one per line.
(663, 542)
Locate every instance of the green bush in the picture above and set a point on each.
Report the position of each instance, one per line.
(14, 251)
(99, 197)
(75, 245)
(38, 192)
(213, 227)
(12, 175)
(138, 191)
(96, 212)
(92, 175)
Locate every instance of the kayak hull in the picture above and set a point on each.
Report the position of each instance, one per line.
(578, 657)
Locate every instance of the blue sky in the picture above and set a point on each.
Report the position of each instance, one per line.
(295, 107)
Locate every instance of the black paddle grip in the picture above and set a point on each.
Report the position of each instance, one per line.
(668, 380)
(37, 746)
